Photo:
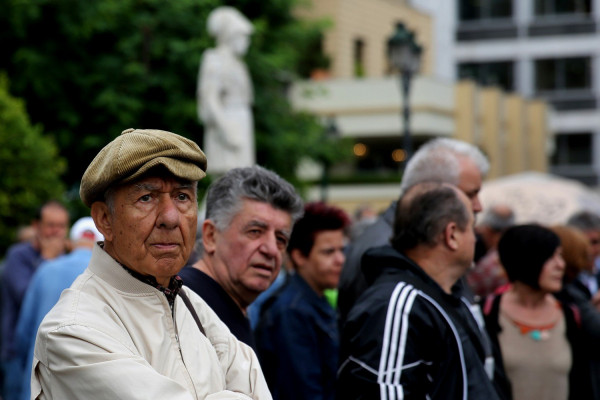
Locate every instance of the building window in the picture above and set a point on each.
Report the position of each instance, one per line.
(499, 73)
(566, 82)
(470, 10)
(485, 20)
(573, 149)
(358, 56)
(563, 74)
(555, 7)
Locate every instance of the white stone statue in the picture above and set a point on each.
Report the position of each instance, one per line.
(225, 93)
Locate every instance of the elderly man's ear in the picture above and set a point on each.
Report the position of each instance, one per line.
(209, 232)
(101, 215)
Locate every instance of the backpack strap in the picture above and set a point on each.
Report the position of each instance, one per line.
(488, 304)
(576, 314)
(190, 307)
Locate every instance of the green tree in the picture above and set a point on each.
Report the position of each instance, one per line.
(89, 69)
(30, 167)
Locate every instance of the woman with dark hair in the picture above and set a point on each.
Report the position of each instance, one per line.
(539, 337)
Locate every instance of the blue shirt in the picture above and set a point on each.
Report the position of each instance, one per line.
(253, 310)
(21, 262)
(298, 342)
(48, 282)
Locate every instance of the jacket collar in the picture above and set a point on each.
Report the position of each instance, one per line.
(385, 260)
(309, 295)
(109, 270)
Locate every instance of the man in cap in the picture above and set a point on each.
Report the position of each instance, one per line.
(127, 329)
(249, 217)
(48, 282)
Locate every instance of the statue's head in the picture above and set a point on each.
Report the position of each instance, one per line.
(230, 28)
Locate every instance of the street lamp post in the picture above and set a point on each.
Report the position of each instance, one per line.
(404, 56)
(331, 133)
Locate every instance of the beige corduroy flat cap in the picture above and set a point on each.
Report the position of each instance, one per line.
(133, 153)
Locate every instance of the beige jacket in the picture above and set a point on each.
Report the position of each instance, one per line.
(111, 336)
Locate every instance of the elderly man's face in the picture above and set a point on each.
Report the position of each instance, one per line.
(469, 181)
(152, 227)
(467, 238)
(246, 257)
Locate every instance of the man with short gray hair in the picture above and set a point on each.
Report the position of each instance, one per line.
(439, 160)
(250, 213)
(126, 328)
(488, 274)
(589, 223)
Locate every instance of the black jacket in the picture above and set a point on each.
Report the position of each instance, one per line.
(352, 281)
(406, 336)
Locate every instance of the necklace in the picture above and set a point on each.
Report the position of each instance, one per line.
(537, 333)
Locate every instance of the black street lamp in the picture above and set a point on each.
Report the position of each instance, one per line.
(331, 133)
(404, 56)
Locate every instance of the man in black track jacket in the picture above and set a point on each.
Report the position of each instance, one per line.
(409, 336)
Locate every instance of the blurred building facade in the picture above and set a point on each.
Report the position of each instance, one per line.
(363, 99)
(548, 49)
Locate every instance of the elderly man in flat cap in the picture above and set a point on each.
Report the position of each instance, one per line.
(127, 329)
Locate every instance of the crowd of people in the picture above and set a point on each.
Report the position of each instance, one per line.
(437, 297)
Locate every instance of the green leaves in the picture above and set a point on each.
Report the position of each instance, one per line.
(29, 164)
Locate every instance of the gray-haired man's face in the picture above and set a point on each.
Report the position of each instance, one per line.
(469, 182)
(246, 256)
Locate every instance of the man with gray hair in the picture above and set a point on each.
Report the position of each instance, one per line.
(250, 213)
(439, 160)
(126, 328)
(488, 274)
(589, 223)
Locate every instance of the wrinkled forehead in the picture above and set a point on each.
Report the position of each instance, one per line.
(153, 182)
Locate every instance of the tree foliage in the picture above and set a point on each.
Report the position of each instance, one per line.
(29, 163)
(90, 69)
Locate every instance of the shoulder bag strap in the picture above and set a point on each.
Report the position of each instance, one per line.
(190, 307)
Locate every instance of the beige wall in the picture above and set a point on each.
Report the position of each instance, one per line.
(516, 150)
(372, 21)
(466, 110)
(537, 133)
(490, 114)
(512, 131)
